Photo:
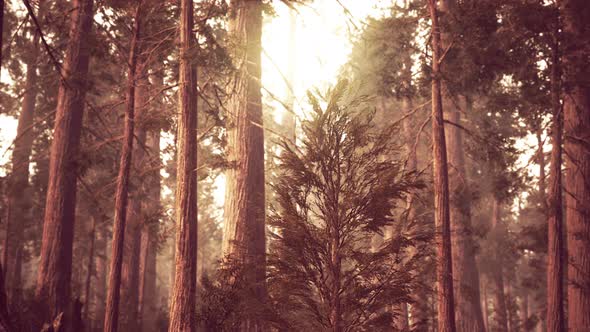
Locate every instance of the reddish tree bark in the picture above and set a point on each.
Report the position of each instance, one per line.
(111, 321)
(444, 268)
(131, 270)
(244, 237)
(555, 254)
(18, 204)
(55, 265)
(575, 16)
(182, 305)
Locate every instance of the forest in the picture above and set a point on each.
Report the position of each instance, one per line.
(295, 165)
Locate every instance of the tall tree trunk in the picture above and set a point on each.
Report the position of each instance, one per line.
(465, 270)
(18, 204)
(444, 268)
(574, 14)
(131, 269)
(555, 255)
(182, 306)
(244, 231)
(55, 265)
(498, 273)
(111, 320)
(152, 206)
(4, 320)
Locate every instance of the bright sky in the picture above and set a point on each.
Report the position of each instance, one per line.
(322, 45)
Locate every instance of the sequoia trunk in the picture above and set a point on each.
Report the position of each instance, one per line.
(444, 269)
(55, 265)
(182, 304)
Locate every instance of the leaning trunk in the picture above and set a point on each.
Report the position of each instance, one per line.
(55, 265)
(182, 304)
(111, 320)
(444, 269)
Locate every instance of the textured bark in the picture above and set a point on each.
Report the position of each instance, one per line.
(55, 265)
(18, 204)
(244, 231)
(465, 271)
(555, 254)
(444, 268)
(149, 301)
(524, 309)
(498, 275)
(182, 306)
(131, 274)
(575, 16)
(111, 320)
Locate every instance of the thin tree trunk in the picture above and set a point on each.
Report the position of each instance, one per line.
(100, 284)
(55, 265)
(152, 206)
(182, 306)
(4, 322)
(484, 308)
(555, 255)
(18, 204)
(89, 269)
(111, 320)
(574, 14)
(444, 268)
(465, 270)
(498, 274)
(244, 239)
(131, 270)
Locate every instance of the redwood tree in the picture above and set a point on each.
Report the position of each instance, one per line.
(555, 252)
(244, 233)
(182, 304)
(121, 195)
(576, 26)
(55, 265)
(444, 269)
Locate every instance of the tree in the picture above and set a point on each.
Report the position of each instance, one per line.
(244, 230)
(111, 321)
(18, 205)
(555, 254)
(337, 190)
(444, 269)
(182, 306)
(55, 266)
(575, 15)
